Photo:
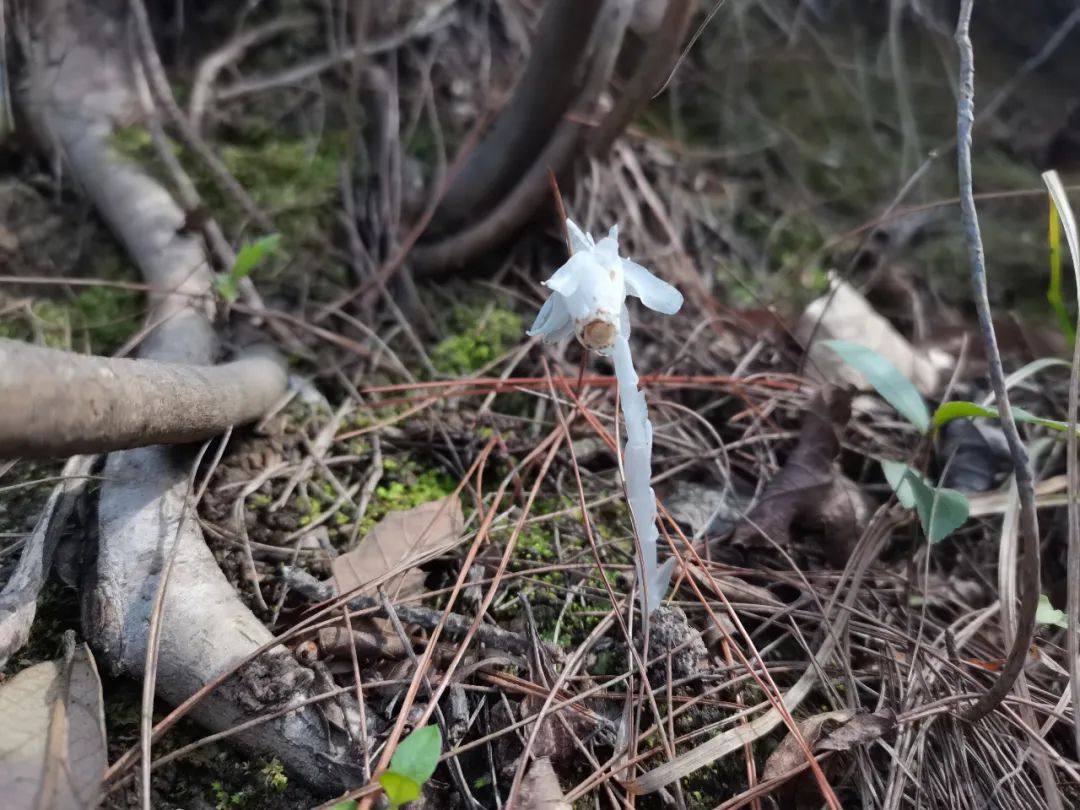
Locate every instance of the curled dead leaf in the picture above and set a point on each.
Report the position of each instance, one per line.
(837, 731)
(809, 491)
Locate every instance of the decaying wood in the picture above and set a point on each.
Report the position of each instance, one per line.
(56, 403)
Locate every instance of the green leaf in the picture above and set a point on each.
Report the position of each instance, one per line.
(1048, 614)
(1054, 294)
(948, 411)
(941, 510)
(250, 256)
(399, 788)
(966, 410)
(348, 804)
(418, 754)
(894, 387)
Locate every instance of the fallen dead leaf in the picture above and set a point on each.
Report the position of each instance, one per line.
(864, 727)
(844, 314)
(541, 790)
(53, 748)
(839, 730)
(809, 490)
(789, 755)
(397, 545)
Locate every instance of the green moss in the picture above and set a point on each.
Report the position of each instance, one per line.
(537, 544)
(404, 487)
(287, 173)
(274, 773)
(110, 314)
(482, 336)
(292, 175)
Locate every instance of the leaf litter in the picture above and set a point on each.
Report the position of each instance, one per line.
(53, 751)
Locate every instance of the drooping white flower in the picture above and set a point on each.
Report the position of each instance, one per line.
(590, 292)
(589, 299)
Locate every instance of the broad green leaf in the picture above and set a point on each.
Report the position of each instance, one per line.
(1048, 614)
(418, 754)
(897, 476)
(399, 788)
(948, 411)
(894, 387)
(348, 804)
(941, 510)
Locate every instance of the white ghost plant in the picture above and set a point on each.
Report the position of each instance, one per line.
(589, 299)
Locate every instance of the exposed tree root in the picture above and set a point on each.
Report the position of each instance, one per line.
(56, 403)
(79, 85)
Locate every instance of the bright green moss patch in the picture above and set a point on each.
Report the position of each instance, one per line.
(482, 335)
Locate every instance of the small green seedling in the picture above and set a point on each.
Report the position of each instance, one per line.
(1048, 614)
(941, 510)
(412, 765)
(250, 256)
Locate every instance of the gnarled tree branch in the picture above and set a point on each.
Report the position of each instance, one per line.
(57, 403)
(79, 85)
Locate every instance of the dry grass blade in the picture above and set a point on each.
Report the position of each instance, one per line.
(1065, 212)
(398, 542)
(734, 739)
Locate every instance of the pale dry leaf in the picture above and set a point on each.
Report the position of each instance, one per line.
(789, 754)
(53, 749)
(541, 790)
(840, 730)
(863, 728)
(843, 313)
(397, 544)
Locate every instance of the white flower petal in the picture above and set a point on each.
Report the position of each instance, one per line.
(655, 293)
(567, 278)
(552, 319)
(613, 233)
(579, 240)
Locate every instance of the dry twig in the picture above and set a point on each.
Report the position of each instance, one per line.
(1025, 480)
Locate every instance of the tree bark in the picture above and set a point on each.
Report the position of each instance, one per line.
(57, 403)
(79, 87)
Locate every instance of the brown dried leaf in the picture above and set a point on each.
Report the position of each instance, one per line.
(53, 749)
(541, 790)
(789, 754)
(859, 730)
(397, 544)
(839, 730)
(809, 491)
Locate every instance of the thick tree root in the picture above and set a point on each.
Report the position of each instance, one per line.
(57, 403)
(79, 85)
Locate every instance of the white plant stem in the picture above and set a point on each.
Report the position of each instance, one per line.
(637, 475)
